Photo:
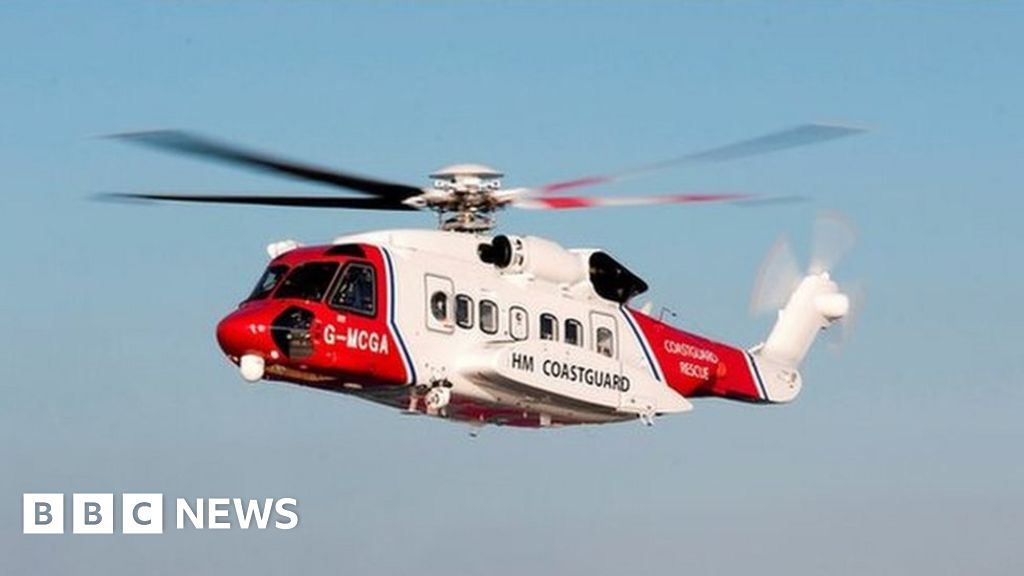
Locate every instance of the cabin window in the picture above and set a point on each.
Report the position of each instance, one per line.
(308, 281)
(356, 290)
(439, 306)
(488, 317)
(548, 327)
(268, 282)
(464, 311)
(573, 332)
(439, 293)
(518, 323)
(604, 342)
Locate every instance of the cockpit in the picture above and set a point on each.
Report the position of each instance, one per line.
(296, 284)
(308, 281)
(347, 286)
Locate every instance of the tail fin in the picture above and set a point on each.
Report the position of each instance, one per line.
(815, 305)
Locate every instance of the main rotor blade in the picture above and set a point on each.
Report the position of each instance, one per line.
(574, 202)
(297, 201)
(183, 142)
(795, 137)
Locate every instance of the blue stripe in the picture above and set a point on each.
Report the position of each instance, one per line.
(757, 376)
(392, 297)
(643, 345)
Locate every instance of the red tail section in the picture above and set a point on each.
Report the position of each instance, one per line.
(695, 366)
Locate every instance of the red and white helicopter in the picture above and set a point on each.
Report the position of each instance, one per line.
(504, 329)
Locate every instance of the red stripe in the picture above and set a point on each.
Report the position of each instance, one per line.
(565, 203)
(578, 183)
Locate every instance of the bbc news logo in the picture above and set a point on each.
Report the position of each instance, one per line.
(144, 513)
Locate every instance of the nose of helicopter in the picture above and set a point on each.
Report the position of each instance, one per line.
(245, 332)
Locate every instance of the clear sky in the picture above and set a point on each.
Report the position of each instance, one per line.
(903, 455)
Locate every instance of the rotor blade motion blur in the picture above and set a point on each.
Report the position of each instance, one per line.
(779, 274)
(465, 197)
(795, 137)
(185, 143)
(294, 201)
(777, 278)
(576, 202)
(833, 237)
(857, 294)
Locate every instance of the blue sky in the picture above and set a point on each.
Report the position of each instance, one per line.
(902, 455)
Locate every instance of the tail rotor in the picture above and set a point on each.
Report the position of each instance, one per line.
(811, 301)
(856, 293)
(833, 237)
(777, 278)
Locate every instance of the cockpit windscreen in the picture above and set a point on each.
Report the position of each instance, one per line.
(268, 282)
(308, 281)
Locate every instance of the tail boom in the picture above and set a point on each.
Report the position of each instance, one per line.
(697, 367)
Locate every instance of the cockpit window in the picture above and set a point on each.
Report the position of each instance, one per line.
(356, 290)
(308, 281)
(268, 282)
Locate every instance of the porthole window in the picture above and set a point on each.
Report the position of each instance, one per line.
(518, 323)
(464, 311)
(548, 327)
(573, 332)
(605, 342)
(439, 292)
(439, 306)
(488, 317)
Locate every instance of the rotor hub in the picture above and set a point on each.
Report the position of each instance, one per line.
(467, 221)
(463, 195)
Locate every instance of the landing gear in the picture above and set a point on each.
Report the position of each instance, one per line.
(647, 414)
(438, 397)
(435, 397)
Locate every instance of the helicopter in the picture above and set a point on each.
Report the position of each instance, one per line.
(498, 329)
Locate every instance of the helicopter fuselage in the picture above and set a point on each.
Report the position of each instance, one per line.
(439, 323)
